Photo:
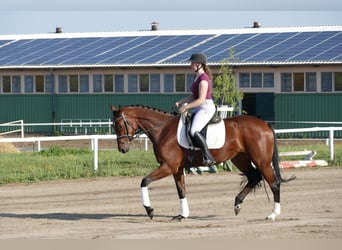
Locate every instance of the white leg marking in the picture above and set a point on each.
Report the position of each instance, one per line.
(145, 198)
(184, 206)
(276, 211)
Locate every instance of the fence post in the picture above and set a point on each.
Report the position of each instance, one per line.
(95, 148)
(39, 146)
(331, 144)
(22, 128)
(146, 144)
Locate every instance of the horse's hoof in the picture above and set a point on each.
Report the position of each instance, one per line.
(272, 216)
(178, 218)
(237, 209)
(149, 212)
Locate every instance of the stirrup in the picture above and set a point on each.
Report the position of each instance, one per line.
(208, 162)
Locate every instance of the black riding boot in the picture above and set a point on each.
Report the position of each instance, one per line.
(200, 142)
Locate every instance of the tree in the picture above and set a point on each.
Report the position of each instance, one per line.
(225, 91)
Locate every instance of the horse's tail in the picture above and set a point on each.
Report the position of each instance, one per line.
(275, 160)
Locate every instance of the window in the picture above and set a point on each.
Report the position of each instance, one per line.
(28, 84)
(180, 83)
(97, 83)
(119, 83)
(11, 84)
(39, 84)
(49, 84)
(244, 80)
(168, 83)
(84, 83)
(268, 80)
(132, 83)
(310, 82)
(155, 82)
(16, 85)
(62, 83)
(144, 83)
(256, 80)
(326, 81)
(298, 81)
(73, 83)
(6, 84)
(189, 80)
(108, 83)
(286, 82)
(338, 81)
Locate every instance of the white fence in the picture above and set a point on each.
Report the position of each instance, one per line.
(73, 124)
(14, 127)
(95, 138)
(86, 126)
(330, 129)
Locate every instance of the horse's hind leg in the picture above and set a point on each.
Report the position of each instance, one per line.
(243, 163)
(274, 184)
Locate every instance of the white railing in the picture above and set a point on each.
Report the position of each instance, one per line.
(299, 130)
(93, 138)
(19, 123)
(70, 124)
(86, 125)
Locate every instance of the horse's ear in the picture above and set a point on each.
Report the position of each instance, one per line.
(112, 108)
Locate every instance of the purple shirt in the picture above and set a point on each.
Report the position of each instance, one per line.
(195, 86)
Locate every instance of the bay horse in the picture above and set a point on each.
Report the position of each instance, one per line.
(250, 144)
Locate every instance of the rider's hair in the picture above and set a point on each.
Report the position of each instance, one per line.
(207, 70)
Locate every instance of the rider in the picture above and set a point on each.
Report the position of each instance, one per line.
(201, 102)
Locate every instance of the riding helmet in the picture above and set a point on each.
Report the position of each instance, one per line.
(199, 58)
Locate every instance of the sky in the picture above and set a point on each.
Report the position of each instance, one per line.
(43, 16)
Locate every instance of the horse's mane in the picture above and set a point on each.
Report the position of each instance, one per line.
(150, 108)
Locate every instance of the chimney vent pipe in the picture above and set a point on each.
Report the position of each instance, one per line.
(154, 26)
(59, 30)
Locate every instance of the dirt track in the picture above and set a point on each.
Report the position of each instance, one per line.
(110, 208)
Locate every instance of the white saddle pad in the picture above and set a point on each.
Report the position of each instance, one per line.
(216, 135)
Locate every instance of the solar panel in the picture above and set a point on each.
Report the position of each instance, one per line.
(318, 45)
(179, 45)
(172, 48)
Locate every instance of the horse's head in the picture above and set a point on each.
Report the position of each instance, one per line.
(124, 129)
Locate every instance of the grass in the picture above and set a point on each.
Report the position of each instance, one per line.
(71, 163)
(58, 163)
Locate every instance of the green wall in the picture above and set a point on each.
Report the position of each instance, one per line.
(288, 108)
(49, 108)
(292, 109)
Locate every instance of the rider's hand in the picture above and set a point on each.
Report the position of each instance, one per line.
(182, 109)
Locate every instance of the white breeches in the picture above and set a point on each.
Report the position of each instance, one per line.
(203, 114)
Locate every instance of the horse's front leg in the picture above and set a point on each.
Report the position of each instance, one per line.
(157, 174)
(180, 184)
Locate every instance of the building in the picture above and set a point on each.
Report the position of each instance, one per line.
(287, 74)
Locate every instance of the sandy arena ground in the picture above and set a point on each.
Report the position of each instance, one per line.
(110, 208)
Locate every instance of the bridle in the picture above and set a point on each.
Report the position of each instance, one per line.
(127, 124)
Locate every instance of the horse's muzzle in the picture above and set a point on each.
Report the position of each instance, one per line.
(123, 149)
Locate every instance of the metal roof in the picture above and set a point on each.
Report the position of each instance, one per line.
(252, 46)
